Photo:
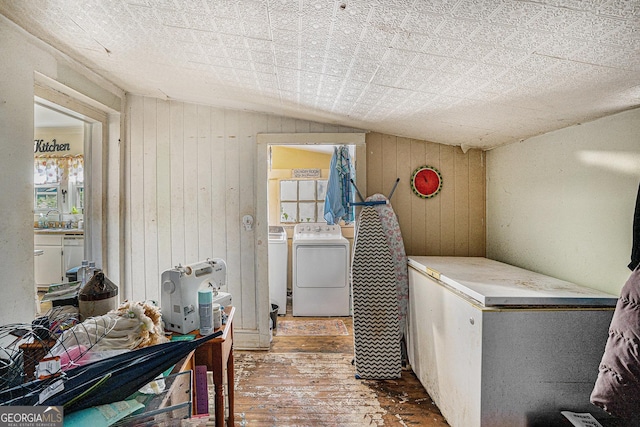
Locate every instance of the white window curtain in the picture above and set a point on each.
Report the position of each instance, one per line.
(55, 170)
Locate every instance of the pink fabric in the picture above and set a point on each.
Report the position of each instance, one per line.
(73, 357)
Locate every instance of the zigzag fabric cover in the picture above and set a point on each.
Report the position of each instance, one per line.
(391, 230)
(375, 312)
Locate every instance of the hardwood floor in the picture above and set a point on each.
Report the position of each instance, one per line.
(309, 381)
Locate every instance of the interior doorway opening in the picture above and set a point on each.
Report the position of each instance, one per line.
(265, 142)
(63, 142)
(297, 189)
(59, 140)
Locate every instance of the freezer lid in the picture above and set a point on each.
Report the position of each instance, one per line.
(494, 283)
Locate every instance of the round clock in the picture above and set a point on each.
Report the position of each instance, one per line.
(426, 182)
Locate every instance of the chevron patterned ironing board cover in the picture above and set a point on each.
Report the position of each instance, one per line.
(376, 330)
(391, 230)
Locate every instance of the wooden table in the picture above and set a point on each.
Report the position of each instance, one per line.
(216, 354)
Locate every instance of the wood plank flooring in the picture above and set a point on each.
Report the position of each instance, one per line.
(309, 381)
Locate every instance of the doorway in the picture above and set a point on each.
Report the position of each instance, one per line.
(264, 141)
(61, 136)
(298, 179)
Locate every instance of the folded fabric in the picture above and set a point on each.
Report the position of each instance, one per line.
(103, 415)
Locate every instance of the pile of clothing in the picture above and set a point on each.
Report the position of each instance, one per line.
(132, 325)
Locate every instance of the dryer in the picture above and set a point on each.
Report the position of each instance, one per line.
(320, 264)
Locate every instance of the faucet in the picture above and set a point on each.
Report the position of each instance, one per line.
(53, 210)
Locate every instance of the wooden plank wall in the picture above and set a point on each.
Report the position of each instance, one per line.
(449, 224)
(189, 178)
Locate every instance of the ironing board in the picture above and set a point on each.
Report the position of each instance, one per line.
(391, 229)
(376, 327)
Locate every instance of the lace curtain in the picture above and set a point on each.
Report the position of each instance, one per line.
(54, 170)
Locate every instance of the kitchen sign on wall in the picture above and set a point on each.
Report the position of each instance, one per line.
(40, 146)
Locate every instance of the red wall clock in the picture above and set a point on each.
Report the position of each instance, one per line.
(426, 182)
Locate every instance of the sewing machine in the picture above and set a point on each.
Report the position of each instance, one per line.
(180, 286)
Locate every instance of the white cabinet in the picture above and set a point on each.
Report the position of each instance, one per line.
(48, 266)
(73, 252)
(60, 252)
(506, 364)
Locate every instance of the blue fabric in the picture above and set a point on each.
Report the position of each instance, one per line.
(337, 202)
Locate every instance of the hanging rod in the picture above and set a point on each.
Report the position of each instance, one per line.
(362, 202)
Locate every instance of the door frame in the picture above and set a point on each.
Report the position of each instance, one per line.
(263, 141)
(102, 135)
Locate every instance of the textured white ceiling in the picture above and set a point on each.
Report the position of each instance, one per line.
(476, 73)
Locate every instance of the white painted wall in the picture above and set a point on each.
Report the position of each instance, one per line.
(16, 177)
(24, 56)
(189, 178)
(562, 203)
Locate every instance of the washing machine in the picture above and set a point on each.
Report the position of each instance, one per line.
(278, 268)
(320, 264)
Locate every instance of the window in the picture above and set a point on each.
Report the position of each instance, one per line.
(46, 197)
(54, 179)
(79, 202)
(302, 200)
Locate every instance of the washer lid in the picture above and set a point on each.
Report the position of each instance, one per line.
(277, 234)
(494, 283)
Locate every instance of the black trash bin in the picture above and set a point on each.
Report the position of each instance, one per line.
(274, 314)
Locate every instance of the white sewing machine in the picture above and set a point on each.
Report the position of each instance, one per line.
(180, 286)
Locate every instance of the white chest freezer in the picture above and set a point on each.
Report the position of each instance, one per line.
(496, 345)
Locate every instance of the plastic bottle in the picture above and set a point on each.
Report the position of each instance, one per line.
(205, 299)
(91, 270)
(217, 316)
(82, 272)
